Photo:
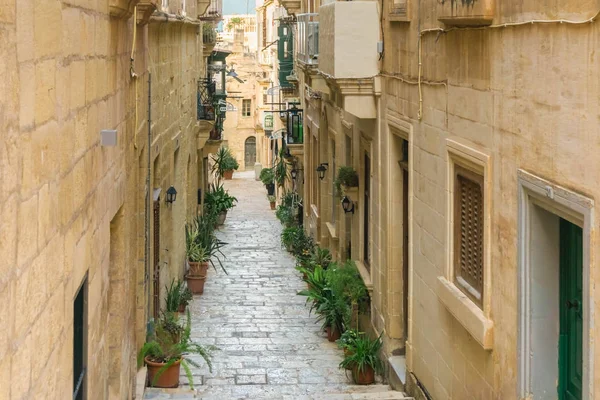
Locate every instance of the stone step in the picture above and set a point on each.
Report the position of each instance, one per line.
(169, 394)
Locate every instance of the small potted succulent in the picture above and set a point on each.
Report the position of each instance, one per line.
(185, 296)
(364, 360)
(164, 353)
(272, 200)
(267, 176)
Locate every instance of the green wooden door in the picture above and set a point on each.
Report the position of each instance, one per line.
(571, 313)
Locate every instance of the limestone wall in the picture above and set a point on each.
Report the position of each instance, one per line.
(72, 210)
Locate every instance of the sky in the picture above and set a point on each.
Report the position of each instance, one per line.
(238, 7)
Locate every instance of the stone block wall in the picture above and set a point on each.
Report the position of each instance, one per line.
(72, 210)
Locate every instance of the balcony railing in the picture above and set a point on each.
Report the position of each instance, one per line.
(214, 11)
(308, 38)
(209, 34)
(206, 107)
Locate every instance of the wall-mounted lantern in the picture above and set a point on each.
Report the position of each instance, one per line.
(347, 205)
(321, 169)
(294, 173)
(171, 195)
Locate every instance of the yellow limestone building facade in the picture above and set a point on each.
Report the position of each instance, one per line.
(473, 129)
(85, 258)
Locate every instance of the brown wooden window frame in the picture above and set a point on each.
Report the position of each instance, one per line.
(246, 107)
(472, 287)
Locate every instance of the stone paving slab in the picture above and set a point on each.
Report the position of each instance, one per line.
(270, 347)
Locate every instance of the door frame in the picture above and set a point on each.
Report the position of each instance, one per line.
(578, 209)
(403, 130)
(246, 167)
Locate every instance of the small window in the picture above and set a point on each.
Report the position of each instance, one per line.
(246, 107)
(468, 233)
(265, 95)
(399, 7)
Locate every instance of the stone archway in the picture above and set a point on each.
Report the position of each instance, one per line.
(250, 152)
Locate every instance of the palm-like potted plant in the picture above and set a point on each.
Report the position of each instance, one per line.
(224, 163)
(267, 177)
(164, 354)
(218, 201)
(364, 360)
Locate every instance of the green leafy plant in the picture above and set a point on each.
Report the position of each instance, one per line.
(202, 231)
(218, 200)
(185, 296)
(223, 161)
(347, 339)
(289, 235)
(280, 169)
(364, 353)
(272, 199)
(267, 176)
(286, 215)
(193, 248)
(346, 176)
(174, 293)
(165, 347)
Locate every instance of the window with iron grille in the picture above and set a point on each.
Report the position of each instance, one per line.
(246, 107)
(468, 233)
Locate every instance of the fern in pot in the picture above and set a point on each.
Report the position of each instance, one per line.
(364, 360)
(164, 354)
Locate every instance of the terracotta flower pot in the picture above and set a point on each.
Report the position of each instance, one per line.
(181, 308)
(272, 205)
(221, 218)
(333, 334)
(364, 377)
(196, 283)
(168, 379)
(197, 268)
(228, 175)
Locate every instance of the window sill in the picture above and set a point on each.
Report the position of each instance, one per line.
(365, 275)
(466, 312)
(332, 230)
(393, 17)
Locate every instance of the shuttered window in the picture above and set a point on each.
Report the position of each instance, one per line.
(399, 7)
(468, 233)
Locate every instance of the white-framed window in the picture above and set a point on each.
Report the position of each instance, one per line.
(465, 288)
(246, 107)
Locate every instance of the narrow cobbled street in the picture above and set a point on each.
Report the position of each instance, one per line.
(270, 348)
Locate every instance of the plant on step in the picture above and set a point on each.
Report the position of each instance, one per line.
(347, 177)
(174, 292)
(185, 296)
(267, 176)
(193, 248)
(345, 280)
(223, 160)
(165, 351)
(289, 236)
(280, 169)
(334, 312)
(286, 215)
(218, 200)
(364, 359)
(303, 246)
(320, 256)
(348, 339)
(272, 199)
(317, 290)
(203, 227)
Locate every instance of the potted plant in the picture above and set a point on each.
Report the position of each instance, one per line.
(224, 163)
(268, 179)
(363, 358)
(218, 201)
(334, 311)
(173, 299)
(272, 200)
(346, 343)
(346, 177)
(164, 354)
(185, 297)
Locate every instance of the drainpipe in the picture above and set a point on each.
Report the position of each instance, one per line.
(148, 199)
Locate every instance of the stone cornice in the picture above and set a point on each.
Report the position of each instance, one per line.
(145, 9)
(122, 8)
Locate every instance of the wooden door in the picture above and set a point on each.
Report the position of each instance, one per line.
(250, 152)
(570, 363)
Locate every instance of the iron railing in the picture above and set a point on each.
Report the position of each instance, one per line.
(209, 34)
(206, 107)
(214, 11)
(308, 38)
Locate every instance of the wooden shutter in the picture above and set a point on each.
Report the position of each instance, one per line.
(468, 233)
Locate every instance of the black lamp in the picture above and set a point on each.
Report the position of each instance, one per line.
(347, 205)
(321, 169)
(171, 195)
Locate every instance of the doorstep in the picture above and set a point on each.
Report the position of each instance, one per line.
(397, 372)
